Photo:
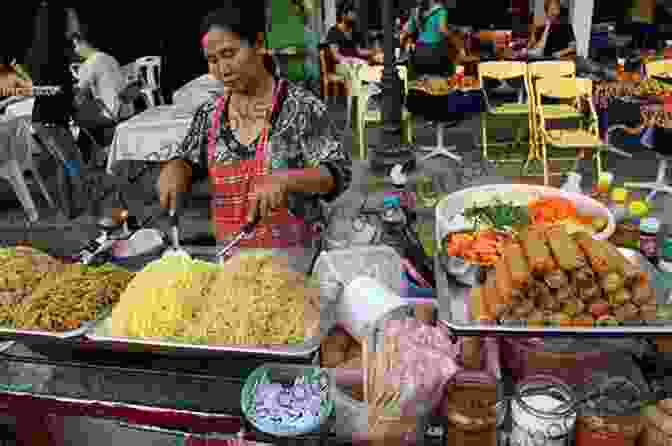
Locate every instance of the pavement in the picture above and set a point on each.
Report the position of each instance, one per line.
(63, 236)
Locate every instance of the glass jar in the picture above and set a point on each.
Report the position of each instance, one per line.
(648, 238)
(543, 412)
(610, 420)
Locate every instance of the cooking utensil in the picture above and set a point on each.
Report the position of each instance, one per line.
(245, 231)
(176, 249)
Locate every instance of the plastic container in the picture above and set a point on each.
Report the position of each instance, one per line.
(527, 357)
(366, 302)
(378, 262)
(286, 374)
(648, 238)
(352, 416)
(665, 263)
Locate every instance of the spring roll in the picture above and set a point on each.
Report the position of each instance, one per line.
(537, 250)
(596, 251)
(479, 308)
(518, 267)
(564, 248)
(503, 281)
(564, 294)
(612, 282)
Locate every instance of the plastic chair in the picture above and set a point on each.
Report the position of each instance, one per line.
(148, 70)
(585, 135)
(503, 71)
(12, 171)
(361, 75)
(537, 71)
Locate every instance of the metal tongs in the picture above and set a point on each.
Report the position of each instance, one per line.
(245, 232)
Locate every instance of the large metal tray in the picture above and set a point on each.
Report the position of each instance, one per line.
(454, 301)
(97, 337)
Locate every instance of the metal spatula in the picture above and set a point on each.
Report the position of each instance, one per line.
(176, 249)
(245, 231)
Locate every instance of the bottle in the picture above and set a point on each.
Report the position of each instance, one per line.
(572, 183)
(620, 68)
(618, 207)
(667, 52)
(665, 263)
(637, 211)
(648, 238)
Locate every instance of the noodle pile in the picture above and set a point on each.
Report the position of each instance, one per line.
(251, 300)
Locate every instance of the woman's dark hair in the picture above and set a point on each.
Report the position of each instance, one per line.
(343, 9)
(247, 18)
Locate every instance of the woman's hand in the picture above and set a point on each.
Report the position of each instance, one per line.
(11, 81)
(269, 193)
(175, 178)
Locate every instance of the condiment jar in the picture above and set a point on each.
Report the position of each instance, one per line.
(648, 238)
(665, 263)
(618, 207)
(543, 412)
(637, 211)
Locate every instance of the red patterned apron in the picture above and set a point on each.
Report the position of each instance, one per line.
(231, 186)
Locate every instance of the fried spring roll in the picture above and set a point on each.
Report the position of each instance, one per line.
(479, 308)
(596, 250)
(518, 267)
(503, 281)
(556, 279)
(537, 251)
(564, 248)
(494, 301)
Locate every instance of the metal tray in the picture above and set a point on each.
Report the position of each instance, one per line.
(454, 312)
(97, 337)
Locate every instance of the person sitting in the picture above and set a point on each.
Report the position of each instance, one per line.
(267, 145)
(553, 35)
(98, 101)
(344, 41)
(434, 39)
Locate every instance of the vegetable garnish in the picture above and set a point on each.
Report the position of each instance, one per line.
(500, 215)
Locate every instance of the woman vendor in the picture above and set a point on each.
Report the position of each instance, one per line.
(267, 145)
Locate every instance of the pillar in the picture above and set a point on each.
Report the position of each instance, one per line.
(582, 18)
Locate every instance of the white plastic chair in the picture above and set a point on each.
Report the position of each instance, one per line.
(12, 171)
(148, 70)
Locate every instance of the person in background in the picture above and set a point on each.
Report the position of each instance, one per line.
(345, 42)
(642, 19)
(428, 34)
(268, 146)
(553, 35)
(49, 63)
(98, 102)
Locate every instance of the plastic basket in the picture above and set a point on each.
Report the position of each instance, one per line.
(285, 374)
(378, 262)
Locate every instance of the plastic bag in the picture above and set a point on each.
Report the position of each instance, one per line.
(427, 361)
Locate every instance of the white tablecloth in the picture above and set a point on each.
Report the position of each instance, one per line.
(23, 108)
(153, 135)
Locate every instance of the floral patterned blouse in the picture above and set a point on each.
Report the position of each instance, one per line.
(302, 136)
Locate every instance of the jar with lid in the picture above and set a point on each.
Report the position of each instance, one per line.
(665, 263)
(612, 416)
(648, 238)
(473, 412)
(543, 412)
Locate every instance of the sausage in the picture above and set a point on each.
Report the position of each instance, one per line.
(564, 248)
(642, 292)
(556, 279)
(518, 267)
(503, 281)
(537, 251)
(596, 251)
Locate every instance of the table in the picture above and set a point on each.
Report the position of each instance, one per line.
(153, 135)
(22, 108)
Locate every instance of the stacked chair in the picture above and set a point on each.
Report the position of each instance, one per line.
(554, 94)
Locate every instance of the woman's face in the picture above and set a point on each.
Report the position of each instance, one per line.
(231, 60)
(553, 11)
